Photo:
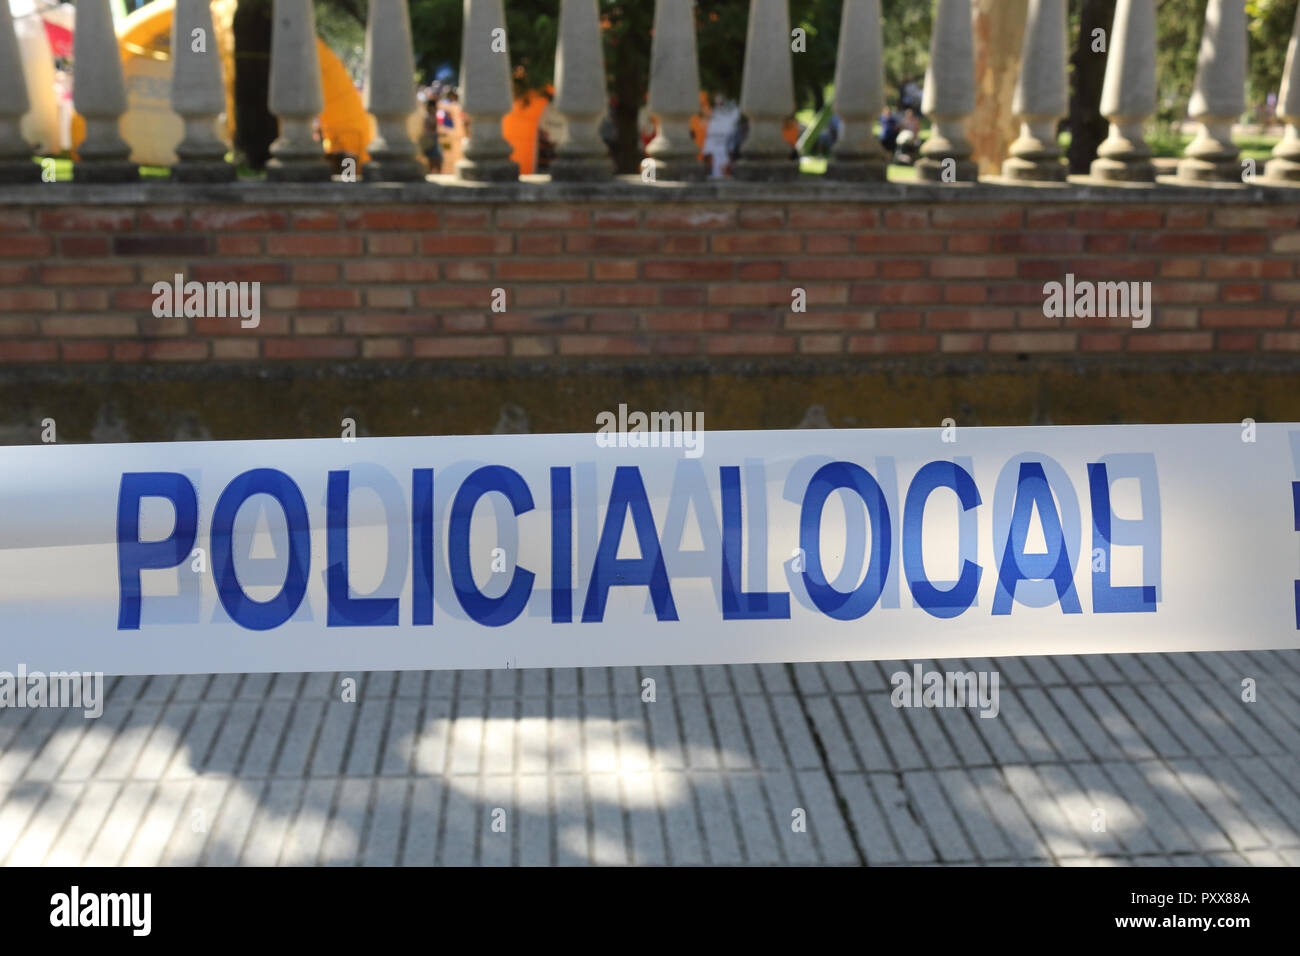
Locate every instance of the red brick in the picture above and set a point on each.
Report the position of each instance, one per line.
(533, 297)
(383, 348)
(904, 293)
(611, 295)
(315, 272)
(461, 270)
(546, 322)
(756, 321)
(410, 219)
(618, 270)
(235, 349)
(973, 268)
(1032, 341)
(1263, 217)
(28, 300)
(386, 244)
(762, 217)
(528, 245)
(315, 220)
(1282, 341)
(1241, 292)
(830, 320)
(859, 268)
(1148, 341)
(387, 324)
(818, 245)
(697, 218)
(970, 243)
(1101, 341)
(561, 270)
(84, 351)
(898, 243)
(603, 345)
(751, 243)
(755, 344)
(978, 217)
(615, 219)
(88, 274)
(87, 219)
(235, 219)
(28, 351)
(1237, 341)
(12, 327)
(961, 342)
(239, 245)
(458, 245)
(884, 343)
(1243, 318)
(27, 247)
(525, 216)
(906, 219)
(86, 327)
(676, 244)
(172, 350)
(467, 219)
(1191, 242)
(1183, 218)
(759, 271)
(672, 269)
(953, 319)
(902, 268)
(898, 321)
(1133, 219)
(391, 270)
(820, 344)
(816, 218)
(464, 296)
(686, 321)
(309, 348)
(239, 272)
(612, 243)
(324, 244)
(315, 325)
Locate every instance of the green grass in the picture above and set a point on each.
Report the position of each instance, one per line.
(63, 170)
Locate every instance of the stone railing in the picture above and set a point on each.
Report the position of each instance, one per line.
(767, 99)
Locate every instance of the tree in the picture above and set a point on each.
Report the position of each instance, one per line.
(1087, 126)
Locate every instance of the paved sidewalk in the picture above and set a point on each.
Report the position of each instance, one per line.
(577, 768)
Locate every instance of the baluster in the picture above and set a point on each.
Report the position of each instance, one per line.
(390, 93)
(485, 93)
(1284, 167)
(295, 96)
(99, 95)
(1042, 96)
(949, 97)
(1128, 96)
(674, 92)
(1219, 97)
(859, 94)
(767, 95)
(198, 95)
(580, 97)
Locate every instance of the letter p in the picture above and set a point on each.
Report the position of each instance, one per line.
(134, 555)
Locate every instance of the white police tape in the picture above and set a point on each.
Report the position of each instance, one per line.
(549, 550)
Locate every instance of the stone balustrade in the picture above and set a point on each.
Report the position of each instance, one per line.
(767, 99)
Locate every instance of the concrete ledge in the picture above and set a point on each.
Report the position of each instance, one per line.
(630, 189)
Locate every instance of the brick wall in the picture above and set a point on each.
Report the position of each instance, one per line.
(355, 273)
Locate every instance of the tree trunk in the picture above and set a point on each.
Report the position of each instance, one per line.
(1087, 126)
(999, 30)
(255, 126)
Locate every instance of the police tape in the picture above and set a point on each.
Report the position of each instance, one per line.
(557, 550)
